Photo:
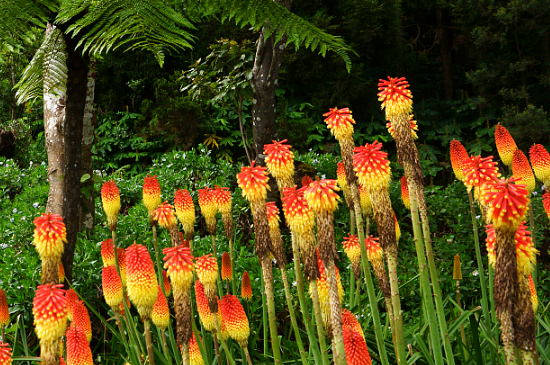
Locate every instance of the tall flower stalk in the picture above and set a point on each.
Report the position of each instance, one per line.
(253, 182)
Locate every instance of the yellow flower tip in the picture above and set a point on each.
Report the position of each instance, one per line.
(405, 192)
(522, 170)
(222, 196)
(506, 145)
(4, 309)
(355, 346)
(246, 287)
(81, 318)
(110, 198)
(372, 166)
(479, 172)
(540, 160)
(141, 279)
(151, 193)
(297, 210)
(279, 159)
(352, 248)
(374, 250)
(207, 270)
(395, 96)
(526, 253)
(508, 203)
(49, 235)
(166, 281)
(226, 273)
(235, 319)
(253, 182)
(340, 122)
(412, 123)
(178, 262)
(5, 354)
(50, 312)
(457, 269)
(61, 271)
(185, 208)
(534, 296)
(458, 155)
(112, 287)
(71, 297)
(164, 215)
(78, 348)
(321, 195)
(205, 314)
(161, 313)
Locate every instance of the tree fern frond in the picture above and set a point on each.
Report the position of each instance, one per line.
(103, 25)
(279, 20)
(46, 72)
(18, 16)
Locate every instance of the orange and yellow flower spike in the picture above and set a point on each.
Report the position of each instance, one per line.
(405, 192)
(522, 170)
(112, 287)
(179, 265)
(508, 204)
(166, 282)
(107, 253)
(479, 172)
(61, 272)
(110, 198)
(151, 193)
(161, 312)
(395, 96)
(72, 297)
(353, 251)
(490, 244)
(121, 253)
(366, 202)
(207, 203)
(49, 235)
(506, 145)
(223, 202)
(246, 287)
(81, 318)
(195, 356)
(50, 313)
(458, 155)
(207, 271)
(280, 163)
(540, 160)
(164, 215)
(340, 122)
(414, 127)
(372, 166)
(546, 203)
(235, 319)
(534, 296)
(141, 279)
(349, 320)
(397, 228)
(321, 196)
(4, 310)
(226, 273)
(253, 182)
(78, 348)
(357, 352)
(5, 354)
(323, 290)
(185, 211)
(526, 253)
(205, 314)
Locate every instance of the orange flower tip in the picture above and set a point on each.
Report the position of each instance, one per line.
(479, 172)
(253, 182)
(165, 216)
(5, 354)
(226, 267)
(49, 235)
(78, 348)
(506, 145)
(50, 312)
(222, 197)
(141, 279)
(458, 155)
(321, 195)
(340, 122)
(161, 312)
(372, 166)
(534, 296)
(110, 197)
(112, 286)
(405, 192)
(508, 203)
(4, 309)
(246, 288)
(522, 170)
(279, 159)
(207, 270)
(306, 180)
(395, 96)
(151, 193)
(234, 318)
(355, 346)
(178, 262)
(540, 160)
(107, 252)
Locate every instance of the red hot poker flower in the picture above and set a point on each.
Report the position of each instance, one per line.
(161, 313)
(395, 96)
(479, 172)
(78, 348)
(353, 251)
(458, 155)
(279, 159)
(534, 297)
(185, 209)
(4, 309)
(205, 314)
(526, 253)
(195, 356)
(235, 319)
(111, 202)
(207, 270)
(540, 160)
(507, 203)
(179, 265)
(506, 145)
(226, 267)
(321, 195)
(522, 170)
(272, 214)
(340, 122)
(166, 282)
(107, 252)
(141, 279)
(5, 354)
(49, 235)
(246, 287)
(50, 312)
(546, 203)
(222, 196)
(366, 202)
(341, 176)
(253, 182)
(405, 192)
(372, 166)
(355, 346)
(165, 216)
(112, 287)
(207, 202)
(151, 193)
(72, 297)
(81, 319)
(297, 211)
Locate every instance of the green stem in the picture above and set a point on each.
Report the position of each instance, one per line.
(305, 309)
(270, 299)
(491, 293)
(481, 273)
(290, 306)
(185, 353)
(231, 256)
(149, 342)
(462, 333)
(335, 314)
(319, 320)
(264, 317)
(351, 299)
(424, 279)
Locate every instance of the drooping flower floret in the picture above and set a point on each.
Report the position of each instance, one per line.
(253, 182)
(479, 171)
(340, 122)
(372, 166)
(395, 96)
(5, 354)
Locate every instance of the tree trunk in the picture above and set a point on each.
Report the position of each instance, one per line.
(445, 37)
(265, 74)
(63, 120)
(90, 119)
